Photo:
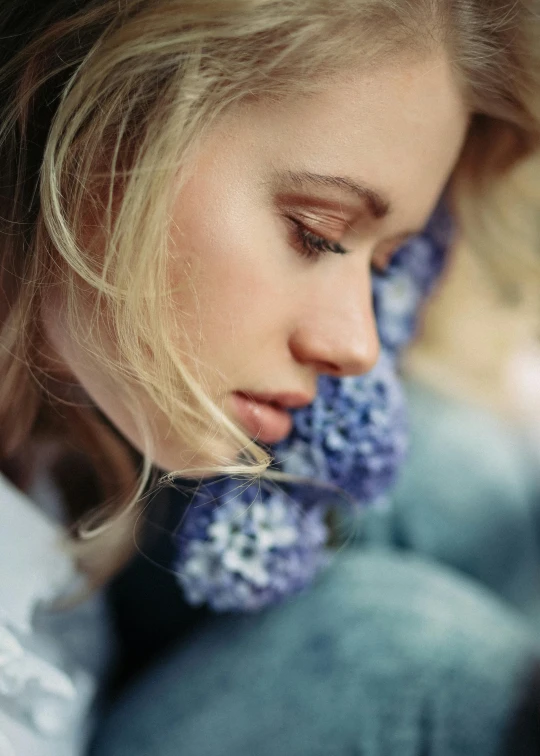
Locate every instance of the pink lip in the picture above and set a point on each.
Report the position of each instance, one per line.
(265, 416)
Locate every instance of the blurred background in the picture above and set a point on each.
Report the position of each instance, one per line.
(469, 494)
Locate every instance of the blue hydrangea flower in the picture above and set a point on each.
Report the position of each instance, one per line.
(243, 547)
(354, 435)
(411, 275)
(250, 548)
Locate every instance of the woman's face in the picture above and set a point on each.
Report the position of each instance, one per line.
(276, 231)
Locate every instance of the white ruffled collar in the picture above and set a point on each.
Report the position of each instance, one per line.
(33, 568)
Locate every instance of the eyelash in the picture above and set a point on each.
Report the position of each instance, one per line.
(312, 246)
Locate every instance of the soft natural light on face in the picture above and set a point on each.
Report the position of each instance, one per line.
(277, 188)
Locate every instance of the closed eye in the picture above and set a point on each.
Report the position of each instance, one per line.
(313, 246)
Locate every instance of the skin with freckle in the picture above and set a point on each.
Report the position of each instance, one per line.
(257, 314)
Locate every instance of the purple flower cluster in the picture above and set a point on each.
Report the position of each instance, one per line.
(353, 436)
(250, 547)
(244, 546)
(411, 275)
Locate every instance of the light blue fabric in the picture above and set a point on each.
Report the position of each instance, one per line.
(469, 496)
(387, 655)
(418, 641)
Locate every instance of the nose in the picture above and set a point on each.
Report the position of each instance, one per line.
(337, 333)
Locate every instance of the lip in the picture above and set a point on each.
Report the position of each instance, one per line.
(266, 417)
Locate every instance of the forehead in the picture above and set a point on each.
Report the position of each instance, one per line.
(398, 128)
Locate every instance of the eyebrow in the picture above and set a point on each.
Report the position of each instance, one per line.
(379, 206)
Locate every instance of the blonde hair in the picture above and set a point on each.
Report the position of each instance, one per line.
(104, 106)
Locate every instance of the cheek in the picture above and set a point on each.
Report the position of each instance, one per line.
(229, 273)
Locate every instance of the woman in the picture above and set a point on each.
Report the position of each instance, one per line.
(193, 197)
